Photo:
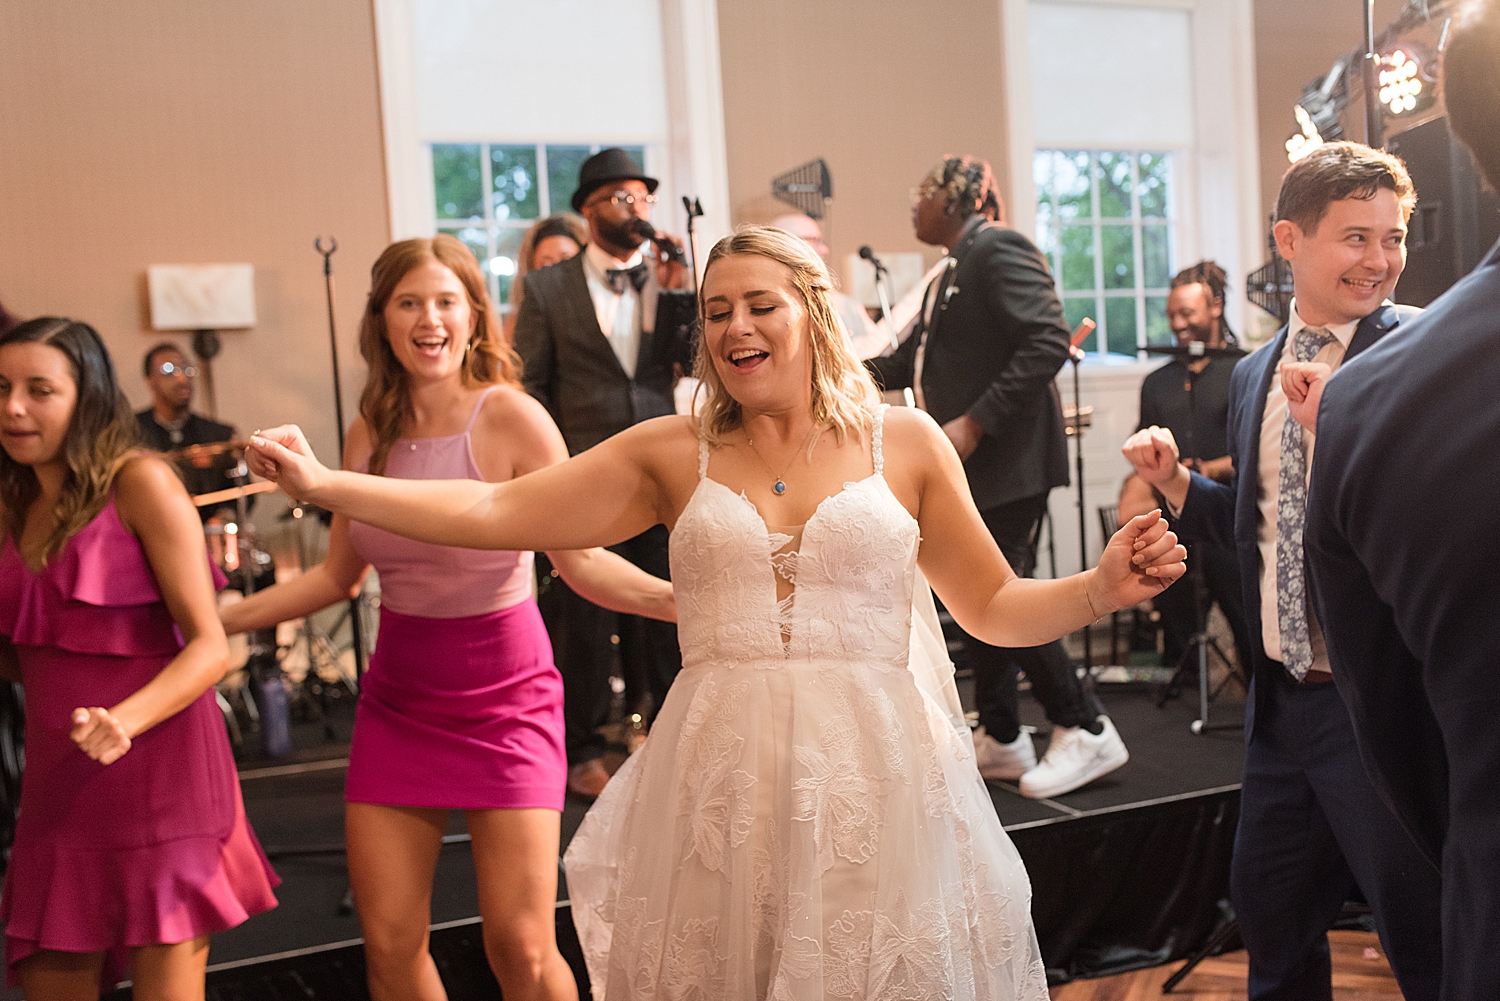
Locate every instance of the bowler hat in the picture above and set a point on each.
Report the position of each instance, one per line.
(603, 167)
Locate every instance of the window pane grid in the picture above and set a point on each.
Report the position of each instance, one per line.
(1104, 223)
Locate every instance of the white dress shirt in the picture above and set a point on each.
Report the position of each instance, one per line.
(619, 313)
(1332, 355)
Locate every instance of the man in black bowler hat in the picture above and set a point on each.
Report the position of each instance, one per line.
(585, 336)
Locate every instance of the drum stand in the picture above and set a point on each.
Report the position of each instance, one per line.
(321, 648)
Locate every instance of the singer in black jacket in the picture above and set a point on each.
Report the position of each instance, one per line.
(988, 344)
(585, 336)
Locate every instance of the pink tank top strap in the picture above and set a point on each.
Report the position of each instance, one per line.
(474, 417)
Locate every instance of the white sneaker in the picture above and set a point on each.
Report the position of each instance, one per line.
(1074, 758)
(1003, 761)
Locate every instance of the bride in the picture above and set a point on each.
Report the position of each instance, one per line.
(806, 820)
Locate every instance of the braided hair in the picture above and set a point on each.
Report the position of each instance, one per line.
(1214, 278)
(970, 186)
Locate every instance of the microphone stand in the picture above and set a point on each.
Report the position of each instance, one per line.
(882, 280)
(694, 210)
(358, 643)
(1076, 355)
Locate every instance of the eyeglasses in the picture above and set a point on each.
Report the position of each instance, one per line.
(172, 368)
(625, 198)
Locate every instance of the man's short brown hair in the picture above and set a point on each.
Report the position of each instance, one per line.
(1471, 83)
(1339, 170)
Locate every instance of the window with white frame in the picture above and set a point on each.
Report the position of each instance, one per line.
(489, 194)
(1106, 223)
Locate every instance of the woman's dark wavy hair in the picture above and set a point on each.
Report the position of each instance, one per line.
(101, 435)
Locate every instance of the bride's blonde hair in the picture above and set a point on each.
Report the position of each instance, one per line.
(843, 394)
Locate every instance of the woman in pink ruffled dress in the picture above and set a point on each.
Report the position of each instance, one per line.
(132, 846)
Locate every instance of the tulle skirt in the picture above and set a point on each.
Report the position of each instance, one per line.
(800, 831)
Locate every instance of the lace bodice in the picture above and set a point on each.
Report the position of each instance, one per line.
(851, 576)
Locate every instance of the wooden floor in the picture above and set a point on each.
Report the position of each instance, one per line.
(1359, 972)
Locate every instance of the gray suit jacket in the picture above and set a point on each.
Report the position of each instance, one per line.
(570, 366)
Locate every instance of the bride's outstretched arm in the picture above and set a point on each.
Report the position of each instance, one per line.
(983, 593)
(601, 497)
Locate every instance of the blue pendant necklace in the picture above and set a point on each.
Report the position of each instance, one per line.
(779, 487)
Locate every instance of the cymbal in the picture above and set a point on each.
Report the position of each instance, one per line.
(204, 451)
(233, 493)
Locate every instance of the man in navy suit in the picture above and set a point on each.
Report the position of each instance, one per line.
(1312, 827)
(1402, 533)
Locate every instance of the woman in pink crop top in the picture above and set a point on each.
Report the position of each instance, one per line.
(132, 845)
(462, 706)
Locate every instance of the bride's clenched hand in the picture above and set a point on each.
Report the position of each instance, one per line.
(1142, 559)
(283, 456)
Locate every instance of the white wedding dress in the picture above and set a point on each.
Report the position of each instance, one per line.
(806, 820)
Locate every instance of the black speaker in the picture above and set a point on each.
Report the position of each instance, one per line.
(1456, 221)
(675, 341)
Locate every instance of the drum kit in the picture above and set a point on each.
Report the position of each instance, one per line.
(256, 686)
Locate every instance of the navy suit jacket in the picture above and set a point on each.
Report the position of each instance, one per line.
(1403, 532)
(1229, 513)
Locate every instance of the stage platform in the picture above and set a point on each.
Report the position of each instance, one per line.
(1126, 873)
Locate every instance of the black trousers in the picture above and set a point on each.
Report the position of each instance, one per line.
(1312, 828)
(1014, 527)
(1221, 583)
(584, 651)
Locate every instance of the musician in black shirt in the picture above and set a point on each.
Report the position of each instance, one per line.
(169, 423)
(1190, 395)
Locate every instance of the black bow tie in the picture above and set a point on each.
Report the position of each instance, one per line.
(617, 277)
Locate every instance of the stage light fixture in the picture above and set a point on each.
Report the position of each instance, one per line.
(1318, 110)
(1404, 85)
(1305, 141)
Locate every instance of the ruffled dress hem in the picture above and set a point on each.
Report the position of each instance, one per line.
(155, 894)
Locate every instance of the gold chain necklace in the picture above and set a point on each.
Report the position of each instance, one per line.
(779, 487)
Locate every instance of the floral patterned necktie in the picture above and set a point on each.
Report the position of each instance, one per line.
(1291, 519)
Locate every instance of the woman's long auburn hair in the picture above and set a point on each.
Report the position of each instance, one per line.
(101, 435)
(843, 394)
(385, 403)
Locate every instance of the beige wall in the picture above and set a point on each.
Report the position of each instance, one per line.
(879, 90)
(1296, 41)
(179, 132)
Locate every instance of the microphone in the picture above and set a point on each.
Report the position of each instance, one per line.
(869, 255)
(646, 231)
(1084, 329)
